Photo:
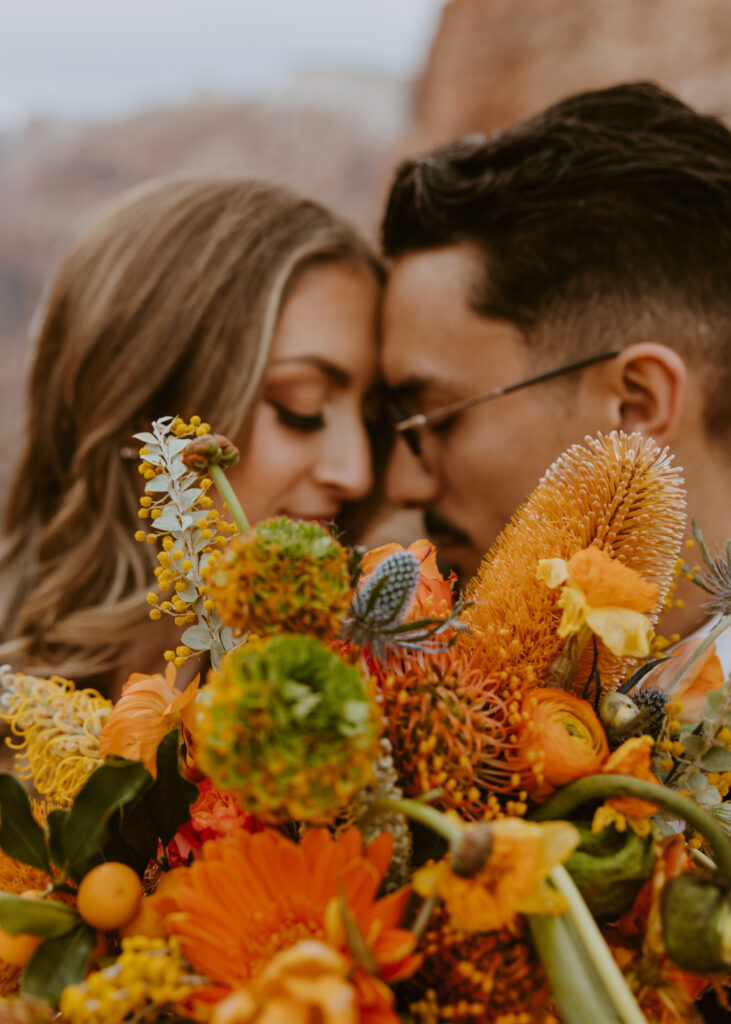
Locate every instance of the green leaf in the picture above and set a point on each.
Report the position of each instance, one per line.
(158, 484)
(708, 798)
(198, 638)
(55, 826)
(108, 788)
(697, 782)
(164, 807)
(35, 916)
(168, 522)
(693, 745)
(21, 836)
(178, 444)
(58, 963)
(147, 439)
(712, 704)
(718, 759)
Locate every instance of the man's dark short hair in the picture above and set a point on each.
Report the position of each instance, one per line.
(602, 221)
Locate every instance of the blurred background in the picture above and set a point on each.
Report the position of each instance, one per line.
(325, 95)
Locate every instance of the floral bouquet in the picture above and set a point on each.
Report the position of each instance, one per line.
(383, 804)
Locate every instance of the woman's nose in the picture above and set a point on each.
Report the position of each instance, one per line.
(408, 482)
(346, 461)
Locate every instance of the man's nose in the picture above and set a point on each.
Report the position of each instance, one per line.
(408, 481)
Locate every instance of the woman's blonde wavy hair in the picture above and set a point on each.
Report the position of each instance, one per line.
(166, 305)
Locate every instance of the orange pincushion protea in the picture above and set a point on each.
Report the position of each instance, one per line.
(617, 491)
(472, 978)
(450, 728)
(253, 895)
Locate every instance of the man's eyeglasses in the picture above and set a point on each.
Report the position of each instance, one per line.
(410, 426)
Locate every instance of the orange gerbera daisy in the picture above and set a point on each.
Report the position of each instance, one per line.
(150, 706)
(252, 895)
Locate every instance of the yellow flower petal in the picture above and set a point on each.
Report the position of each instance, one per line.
(622, 630)
(426, 880)
(544, 899)
(574, 604)
(558, 841)
(552, 571)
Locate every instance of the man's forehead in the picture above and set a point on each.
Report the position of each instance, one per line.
(431, 334)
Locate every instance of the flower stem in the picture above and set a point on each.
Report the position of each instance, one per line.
(596, 948)
(425, 815)
(227, 493)
(598, 787)
(719, 628)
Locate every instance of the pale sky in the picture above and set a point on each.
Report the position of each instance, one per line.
(83, 59)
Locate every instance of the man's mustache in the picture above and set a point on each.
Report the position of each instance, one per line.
(438, 526)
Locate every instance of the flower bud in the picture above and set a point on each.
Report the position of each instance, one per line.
(696, 924)
(470, 852)
(610, 867)
(209, 450)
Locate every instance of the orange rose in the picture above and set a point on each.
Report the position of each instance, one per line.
(433, 596)
(564, 735)
(690, 691)
(150, 706)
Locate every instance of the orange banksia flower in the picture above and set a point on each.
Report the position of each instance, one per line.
(283, 576)
(619, 492)
(253, 895)
(149, 708)
(433, 594)
(562, 739)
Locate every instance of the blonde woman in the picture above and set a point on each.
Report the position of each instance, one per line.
(234, 300)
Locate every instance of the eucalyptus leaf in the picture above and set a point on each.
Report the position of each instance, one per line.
(718, 759)
(146, 439)
(176, 445)
(178, 469)
(108, 788)
(189, 496)
(35, 916)
(57, 963)
(693, 745)
(168, 522)
(189, 593)
(159, 483)
(712, 704)
(697, 782)
(21, 836)
(198, 638)
(708, 798)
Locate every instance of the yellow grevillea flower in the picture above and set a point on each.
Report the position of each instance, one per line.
(512, 880)
(601, 593)
(57, 729)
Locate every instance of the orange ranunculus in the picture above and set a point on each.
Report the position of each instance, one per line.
(150, 706)
(305, 984)
(690, 691)
(434, 594)
(563, 734)
(603, 594)
(252, 895)
(512, 880)
(633, 758)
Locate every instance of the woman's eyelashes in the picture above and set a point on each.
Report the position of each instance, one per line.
(295, 420)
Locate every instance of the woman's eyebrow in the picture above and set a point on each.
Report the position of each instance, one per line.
(337, 375)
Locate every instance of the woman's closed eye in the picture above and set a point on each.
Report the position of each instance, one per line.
(295, 420)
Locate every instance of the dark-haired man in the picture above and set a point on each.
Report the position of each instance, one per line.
(584, 255)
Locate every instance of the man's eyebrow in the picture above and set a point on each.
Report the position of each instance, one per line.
(337, 375)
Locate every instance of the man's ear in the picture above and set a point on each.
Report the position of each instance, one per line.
(651, 383)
